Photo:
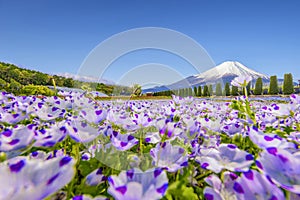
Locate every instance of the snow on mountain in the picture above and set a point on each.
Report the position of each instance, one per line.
(230, 68)
(225, 72)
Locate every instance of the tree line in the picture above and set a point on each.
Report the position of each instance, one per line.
(23, 81)
(259, 89)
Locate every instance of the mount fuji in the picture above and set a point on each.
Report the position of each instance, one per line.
(225, 72)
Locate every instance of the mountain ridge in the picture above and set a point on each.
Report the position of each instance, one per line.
(224, 72)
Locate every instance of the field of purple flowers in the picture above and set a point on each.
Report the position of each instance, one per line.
(77, 148)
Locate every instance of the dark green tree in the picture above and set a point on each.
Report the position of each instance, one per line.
(186, 92)
(190, 92)
(219, 89)
(205, 91)
(195, 91)
(258, 86)
(68, 82)
(273, 88)
(199, 94)
(288, 86)
(227, 89)
(210, 90)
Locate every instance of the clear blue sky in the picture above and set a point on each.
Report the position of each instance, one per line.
(55, 36)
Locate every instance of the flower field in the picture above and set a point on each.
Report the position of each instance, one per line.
(73, 147)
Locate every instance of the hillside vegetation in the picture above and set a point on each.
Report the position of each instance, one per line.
(22, 81)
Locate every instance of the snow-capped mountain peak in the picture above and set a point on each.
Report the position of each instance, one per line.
(223, 73)
(230, 68)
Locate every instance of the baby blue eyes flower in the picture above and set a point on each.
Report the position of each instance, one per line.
(16, 138)
(241, 81)
(226, 156)
(87, 197)
(123, 142)
(95, 178)
(135, 184)
(218, 189)
(254, 185)
(264, 141)
(282, 167)
(169, 157)
(24, 178)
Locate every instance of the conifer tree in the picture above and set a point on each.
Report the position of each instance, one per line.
(258, 86)
(288, 86)
(273, 88)
(219, 89)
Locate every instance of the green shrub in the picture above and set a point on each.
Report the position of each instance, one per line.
(288, 86)
(258, 86)
(273, 88)
(36, 90)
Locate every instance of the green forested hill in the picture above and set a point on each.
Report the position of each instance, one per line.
(14, 79)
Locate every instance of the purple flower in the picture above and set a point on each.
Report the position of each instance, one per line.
(179, 100)
(87, 197)
(226, 156)
(282, 110)
(241, 81)
(16, 138)
(143, 120)
(152, 137)
(95, 177)
(169, 157)
(123, 142)
(264, 140)
(168, 128)
(81, 131)
(24, 178)
(214, 125)
(219, 190)
(295, 99)
(282, 167)
(253, 185)
(233, 127)
(48, 137)
(135, 184)
(93, 115)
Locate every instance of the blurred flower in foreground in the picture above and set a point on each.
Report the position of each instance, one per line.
(241, 81)
(25, 178)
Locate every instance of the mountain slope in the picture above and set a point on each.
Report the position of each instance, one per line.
(225, 72)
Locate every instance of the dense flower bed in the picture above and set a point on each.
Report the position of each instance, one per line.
(186, 148)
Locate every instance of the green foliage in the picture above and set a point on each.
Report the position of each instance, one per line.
(234, 90)
(136, 90)
(248, 89)
(68, 82)
(181, 92)
(190, 92)
(3, 84)
(205, 91)
(36, 90)
(258, 86)
(273, 88)
(23, 76)
(186, 92)
(199, 94)
(210, 90)
(219, 89)
(288, 86)
(14, 86)
(195, 91)
(227, 89)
